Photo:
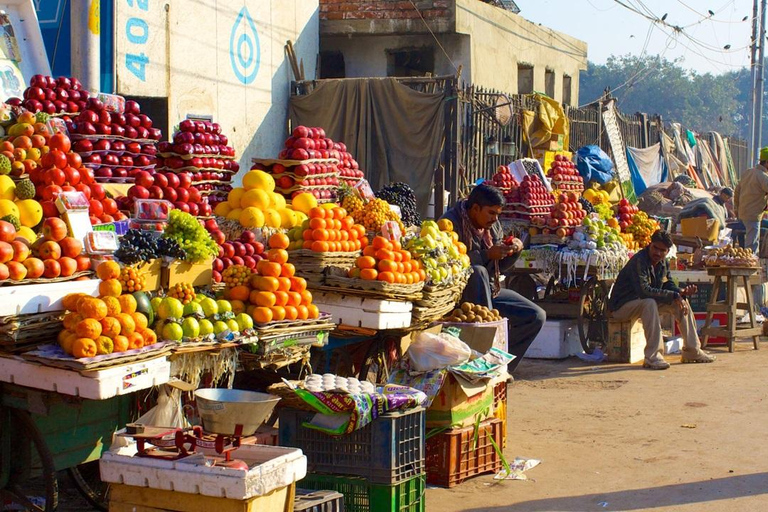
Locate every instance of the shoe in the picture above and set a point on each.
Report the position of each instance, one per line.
(656, 365)
(701, 357)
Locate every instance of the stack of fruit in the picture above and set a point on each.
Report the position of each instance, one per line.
(625, 213)
(200, 150)
(318, 178)
(245, 251)
(191, 237)
(273, 291)
(504, 180)
(54, 255)
(114, 322)
(564, 175)
(52, 95)
(172, 187)
(387, 261)
(311, 144)
(200, 318)
(641, 228)
(595, 234)
(472, 313)
(328, 230)
(565, 216)
(257, 205)
(441, 254)
(530, 201)
(138, 246)
(730, 256)
(371, 214)
(596, 195)
(402, 195)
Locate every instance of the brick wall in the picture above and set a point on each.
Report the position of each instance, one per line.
(385, 9)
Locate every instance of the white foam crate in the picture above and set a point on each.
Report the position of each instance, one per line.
(365, 312)
(93, 384)
(557, 339)
(42, 298)
(271, 468)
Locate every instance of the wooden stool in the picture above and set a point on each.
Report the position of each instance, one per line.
(730, 306)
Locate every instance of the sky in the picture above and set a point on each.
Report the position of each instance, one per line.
(610, 29)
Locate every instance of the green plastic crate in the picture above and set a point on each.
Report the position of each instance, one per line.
(362, 496)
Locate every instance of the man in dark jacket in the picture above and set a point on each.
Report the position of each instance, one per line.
(476, 222)
(644, 289)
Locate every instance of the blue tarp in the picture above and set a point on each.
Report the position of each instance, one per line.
(594, 164)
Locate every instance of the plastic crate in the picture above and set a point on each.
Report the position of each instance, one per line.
(363, 496)
(500, 410)
(461, 453)
(387, 451)
(308, 500)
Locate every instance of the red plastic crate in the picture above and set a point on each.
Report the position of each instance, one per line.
(718, 320)
(459, 453)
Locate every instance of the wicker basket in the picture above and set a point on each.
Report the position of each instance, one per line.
(337, 278)
(288, 397)
(21, 333)
(312, 265)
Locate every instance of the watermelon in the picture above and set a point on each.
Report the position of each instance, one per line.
(143, 306)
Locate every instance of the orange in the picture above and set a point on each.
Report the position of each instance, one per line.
(387, 266)
(281, 298)
(339, 213)
(397, 256)
(320, 234)
(298, 284)
(343, 235)
(113, 305)
(365, 262)
(347, 223)
(406, 255)
(108, 270)
(262, 315)
(387, 277)
(308, 245)
(265, 299)
(306, 297)
(288, 270)
(422, 275)
(333, 246)
(396, 245)
(140, 320)
(279, 256)
(279, 241)
(408, 278)
(127, 303)
(238, 306)
(399, 278)
(369, 251)
(135, 340)
(294, 298)
(313, 311)
(462, 248)
(110, 288)
(302, 312)
(104, 345)
(239, 292)
(354, 272)
(291, 313)
(400, 267)
(337, 224)
(416, 264)
(69, 302)
(333, 235)
(84, 347)
(345, 246)
(418, 276)
(150, 338)
(385, 254)
(359, 244)
(284, 284)
(91, 307)
(127, 325)
(317, 213)
(110, 327)
(278, 313)
(120, 344)
(379, 242)
(352, 234)
(319, 246)
(369, 274)
(306, 234)
(265, 284)
(71, 320)
(317, 223)
(268, 269)
(88, 328)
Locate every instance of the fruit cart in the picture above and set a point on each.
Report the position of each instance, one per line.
(44, 432)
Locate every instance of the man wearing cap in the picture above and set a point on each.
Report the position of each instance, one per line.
(750, 200)
(723, 198)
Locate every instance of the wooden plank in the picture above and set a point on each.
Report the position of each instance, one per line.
(128, 498)
(726, 333)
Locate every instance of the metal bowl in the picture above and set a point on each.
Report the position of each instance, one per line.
(222, 409)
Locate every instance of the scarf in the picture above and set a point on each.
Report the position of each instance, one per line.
(469, 232)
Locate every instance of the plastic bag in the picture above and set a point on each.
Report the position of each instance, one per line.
(594, 164)
(435, 351)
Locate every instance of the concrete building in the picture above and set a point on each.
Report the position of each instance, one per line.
(495, 47)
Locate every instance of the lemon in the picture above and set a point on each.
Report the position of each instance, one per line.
(244, 321)
(287, 218)
(224, 306)
(220, 327)
(233, 325)
(260, 180)
(276, 201)
(190, 327)
(206, 327)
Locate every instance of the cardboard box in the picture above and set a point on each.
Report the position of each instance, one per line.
(626, 341)
(152, 274)
(481, 337)
(460, 403)
(197, 274)
(546, 157)
(556, 142)
(700, 227)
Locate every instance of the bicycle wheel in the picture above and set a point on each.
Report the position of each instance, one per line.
(593, 314)
(30, 438)
(87, 479)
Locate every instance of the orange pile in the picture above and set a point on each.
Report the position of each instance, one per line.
(273, 291)
(387, 261)
(97, 326)
(332, 230)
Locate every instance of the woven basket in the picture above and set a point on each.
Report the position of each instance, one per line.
(21, 333)
(312, 265)
(288, 397)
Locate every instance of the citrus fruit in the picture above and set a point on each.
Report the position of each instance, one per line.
(170, 307)
(304, 202)
(219, 327)
(210, 307)
(233, 198)
(206, 327)
(244, 321)
(128, 303)
(172, 331)
(190, 327)
(30, 212)
(193, 309)
(259, 180)
(256, 197)
(224, 306)
(108, 270)
(251, 217)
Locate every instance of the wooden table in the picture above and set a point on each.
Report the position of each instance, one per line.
(730, 305)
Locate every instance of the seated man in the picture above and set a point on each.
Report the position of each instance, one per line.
(644, 289)
(476, 222)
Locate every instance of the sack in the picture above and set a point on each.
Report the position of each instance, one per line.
(436, 351)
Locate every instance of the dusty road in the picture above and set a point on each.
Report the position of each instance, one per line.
(617, 437)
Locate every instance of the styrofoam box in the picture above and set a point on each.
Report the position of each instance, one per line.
(364, 312)
(41, 298)
(94, 385)
(271, 467)
(557, 339)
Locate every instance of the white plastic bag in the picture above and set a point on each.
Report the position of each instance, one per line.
(434, 351)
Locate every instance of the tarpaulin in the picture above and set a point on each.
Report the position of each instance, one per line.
(394, 132)
(646, 166)
(594, 164)
(549, 119)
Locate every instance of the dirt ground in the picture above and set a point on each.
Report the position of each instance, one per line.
(618, 437)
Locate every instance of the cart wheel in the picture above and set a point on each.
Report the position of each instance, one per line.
(30, 437)
(88, 481)
(524, 285)
(593, 314)
(551, 284)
